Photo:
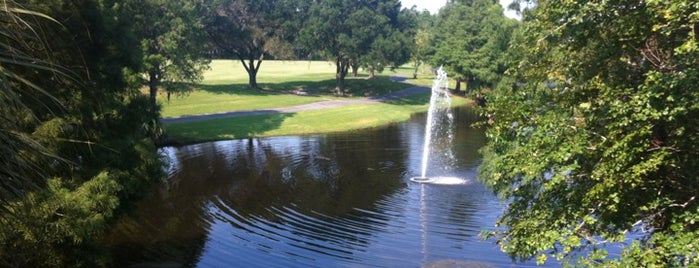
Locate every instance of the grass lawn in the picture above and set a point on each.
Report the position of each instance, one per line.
(225, 87)
(347, 118)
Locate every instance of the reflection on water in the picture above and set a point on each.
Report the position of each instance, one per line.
(314, 201)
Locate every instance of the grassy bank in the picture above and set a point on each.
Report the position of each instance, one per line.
(347, 118)
(225, 89)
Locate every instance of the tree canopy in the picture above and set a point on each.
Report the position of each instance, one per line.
(250, 30)
(172, 40)
(470, 40)
(597, 142)
(394, 41)
(355, 33)
(422, 46)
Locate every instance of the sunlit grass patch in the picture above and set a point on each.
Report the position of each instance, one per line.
(283, 83)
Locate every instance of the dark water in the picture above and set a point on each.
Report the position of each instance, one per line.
(339, 200)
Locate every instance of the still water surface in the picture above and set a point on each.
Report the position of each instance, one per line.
(336, 200)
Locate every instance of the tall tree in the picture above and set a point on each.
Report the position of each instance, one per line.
(393, 42)
(600, 143)
(365, 36)
(355, 26)
(251, 30)
(320, 36)
(423, 35)
(173, 43)
(470, 40)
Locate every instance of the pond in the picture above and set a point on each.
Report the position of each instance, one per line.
(335, 200)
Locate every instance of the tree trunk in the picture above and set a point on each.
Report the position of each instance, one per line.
(457, 88)
(371, 71)
(153, 83)
(417, 66)
(355, 69)
(252, 79)
(252, 67)
(342, 68)
(471, 84)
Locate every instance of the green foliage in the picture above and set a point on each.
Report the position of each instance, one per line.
(173, 43)
(251, 30)
(77, 139)
(393, 42)
(48, 222)
(422, 46)
(471, 39)
(21, 54)
(373, 34)
(598, 143)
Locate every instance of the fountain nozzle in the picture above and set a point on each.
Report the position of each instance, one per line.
(420, 179)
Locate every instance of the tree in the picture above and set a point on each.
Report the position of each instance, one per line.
(422, 46)
(393, 42)
(600, 142)
(251, 30)
(355, 27)
(331, 40)
(470, 41)
(173, 43)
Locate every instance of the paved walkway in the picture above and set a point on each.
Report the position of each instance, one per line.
(305, 107)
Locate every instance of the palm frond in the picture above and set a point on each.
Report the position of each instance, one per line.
(22, 48)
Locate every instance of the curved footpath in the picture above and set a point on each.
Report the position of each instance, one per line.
(305, 107)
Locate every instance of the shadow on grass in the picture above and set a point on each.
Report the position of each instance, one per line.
(224, 128)
(357, 87)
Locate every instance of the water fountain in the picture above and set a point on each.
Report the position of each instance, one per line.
(439, 126)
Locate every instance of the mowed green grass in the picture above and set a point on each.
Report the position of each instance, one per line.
(225, 87)
(271, 71)
(347, 118)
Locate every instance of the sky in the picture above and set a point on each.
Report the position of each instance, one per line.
(434, 5)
